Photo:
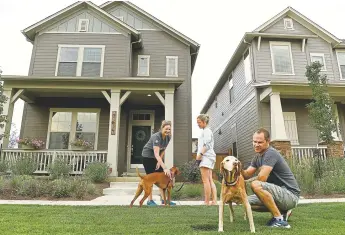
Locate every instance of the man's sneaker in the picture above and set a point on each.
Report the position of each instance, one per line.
(278, 223)
(151, 203)
(171, 203)
(286, 215)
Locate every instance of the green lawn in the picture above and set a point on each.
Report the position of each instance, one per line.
(29, 219)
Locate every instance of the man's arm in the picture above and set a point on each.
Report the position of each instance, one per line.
(249, 172)
(264, 173)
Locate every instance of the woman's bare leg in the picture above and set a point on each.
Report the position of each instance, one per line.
(206, 182)
(213, 188)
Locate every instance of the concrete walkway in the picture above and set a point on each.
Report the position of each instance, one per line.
(110, 200)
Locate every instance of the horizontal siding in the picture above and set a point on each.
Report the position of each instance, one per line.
(36, 117)
(264, 63)
(241, 112)
(116, 59)
(279, 28)
(158, 45)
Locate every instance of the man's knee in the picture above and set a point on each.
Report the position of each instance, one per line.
(256, 185)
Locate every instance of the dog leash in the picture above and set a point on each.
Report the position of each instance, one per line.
(197, 162)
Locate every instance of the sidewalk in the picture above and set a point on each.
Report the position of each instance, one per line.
(125, 201)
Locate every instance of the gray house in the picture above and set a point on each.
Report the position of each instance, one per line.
(264, 85)
(107, 74)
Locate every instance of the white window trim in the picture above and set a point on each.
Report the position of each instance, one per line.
(337, 51)
(231, 86)
(323, 58)
(167, 66)
(72, 132)
(148, 65)
(291, 21)
(87, 25)
(80, 57)
(278, 43)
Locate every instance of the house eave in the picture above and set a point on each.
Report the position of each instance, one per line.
(31, 31)
(177, 81)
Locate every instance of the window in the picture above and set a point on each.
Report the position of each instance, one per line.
(281, 58)
(76, 60)
(119, 17)
(291, 127)
(83, 25)
(66, 125)
(288, 24)
(231, 89)
(172, 66)
(247, 67)
(320, 57)
(341, 63)
(143, 65)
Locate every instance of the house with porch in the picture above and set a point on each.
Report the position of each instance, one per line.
(106, 74)
(264, 85)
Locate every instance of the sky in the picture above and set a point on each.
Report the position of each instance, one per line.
(217, 26)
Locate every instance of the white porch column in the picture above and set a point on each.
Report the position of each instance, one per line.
(114, 126)
(169, 115)
(7, 111)
(337, 135)
(278, 131)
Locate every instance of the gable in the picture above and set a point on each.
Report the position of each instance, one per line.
(130, 17)
(278, 27)
(96, 23)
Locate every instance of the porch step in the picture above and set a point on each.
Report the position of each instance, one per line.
(126, 179)
(125, 189)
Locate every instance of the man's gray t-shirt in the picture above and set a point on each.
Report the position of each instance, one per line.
(281, 173)
(155, 140)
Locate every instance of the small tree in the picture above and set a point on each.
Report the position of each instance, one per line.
(3, 100)
(321, 110)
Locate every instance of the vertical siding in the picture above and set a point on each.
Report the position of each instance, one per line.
(131, 17)
(158, 45)
(71, 23)
(116, 59)
(279, 28)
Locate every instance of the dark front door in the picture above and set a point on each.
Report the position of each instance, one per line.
(140, 136)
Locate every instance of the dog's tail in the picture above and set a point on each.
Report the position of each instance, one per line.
(138, 173)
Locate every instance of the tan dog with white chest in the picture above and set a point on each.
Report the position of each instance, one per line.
(233, 190)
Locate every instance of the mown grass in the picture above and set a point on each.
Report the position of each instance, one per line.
(29, 219)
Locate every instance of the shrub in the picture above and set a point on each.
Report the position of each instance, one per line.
(61, 188)
(4, 166)
(190, 172)
(24, 166)
(18, 180)
(97, 172)
(59, 168)
(31, 187)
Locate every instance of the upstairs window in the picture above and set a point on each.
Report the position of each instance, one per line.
(288, 24)
(281, 57)
(320, 57)
(143, 65)
(247, 67)
(80, 60)
(231, 89)
(83, 25)
(172, 66)
(341, 63)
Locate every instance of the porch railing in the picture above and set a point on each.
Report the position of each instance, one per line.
(44, 158)
(306, 152)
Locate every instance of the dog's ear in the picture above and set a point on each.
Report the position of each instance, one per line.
(239, 169)
(178, 172)
(221, 170)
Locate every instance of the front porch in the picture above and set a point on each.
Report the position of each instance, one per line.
(107, 112)
(283, 111)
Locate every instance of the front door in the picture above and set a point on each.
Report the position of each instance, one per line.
(141, 124)
(140, 136)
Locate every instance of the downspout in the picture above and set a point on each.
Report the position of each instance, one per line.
(131, 54)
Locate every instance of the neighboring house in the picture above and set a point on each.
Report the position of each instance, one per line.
(108, 74)
(264, 85)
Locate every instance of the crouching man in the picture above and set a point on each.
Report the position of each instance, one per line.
(275, 187)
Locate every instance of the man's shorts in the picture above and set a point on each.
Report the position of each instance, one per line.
(284, 199)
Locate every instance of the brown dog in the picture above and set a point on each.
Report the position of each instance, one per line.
(160, 180)
(233, 190)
